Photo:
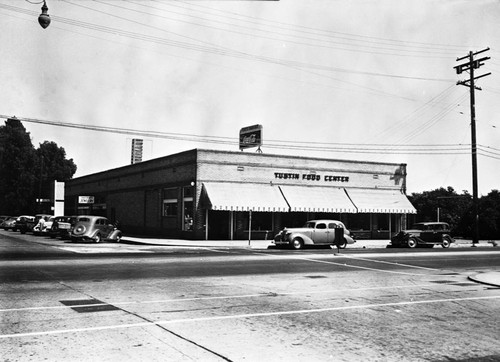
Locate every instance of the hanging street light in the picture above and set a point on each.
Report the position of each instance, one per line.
(44, 18)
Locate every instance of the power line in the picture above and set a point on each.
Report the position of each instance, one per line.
(322, 32)
(333, 44)
(440, 149)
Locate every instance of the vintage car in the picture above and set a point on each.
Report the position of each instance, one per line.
(24, 223)
(9, 223)
(62, 226)
(315, 232)
(43, 224)
(94, 228)
(31, 223)
(424, 234)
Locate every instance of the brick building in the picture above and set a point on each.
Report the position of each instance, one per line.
(234, 193)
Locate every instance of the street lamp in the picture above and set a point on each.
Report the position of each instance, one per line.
(43, 18)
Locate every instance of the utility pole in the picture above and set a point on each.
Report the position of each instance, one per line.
(469, 66)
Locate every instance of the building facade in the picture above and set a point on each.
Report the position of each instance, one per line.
(209, 194)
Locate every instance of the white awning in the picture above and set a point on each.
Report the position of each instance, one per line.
(317, 199)
(381, 201)
(230, 196)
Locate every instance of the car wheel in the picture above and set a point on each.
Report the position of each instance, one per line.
(343, 244)
(297, 244)
(97, 238)
(446, 242)
(412, 243)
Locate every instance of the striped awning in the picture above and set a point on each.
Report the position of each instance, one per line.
(317, 199)
(231, 196)
(381, 201)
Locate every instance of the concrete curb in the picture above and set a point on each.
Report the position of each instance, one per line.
(490, 278)
(264, 244)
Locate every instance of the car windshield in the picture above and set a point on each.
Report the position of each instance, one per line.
(84, 219)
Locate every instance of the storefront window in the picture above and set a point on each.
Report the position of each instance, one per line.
(187, 207)
(170, 205)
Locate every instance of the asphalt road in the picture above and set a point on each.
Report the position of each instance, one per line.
(128, 303)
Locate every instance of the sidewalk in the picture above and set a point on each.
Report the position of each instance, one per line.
(490, 278)
(264, 244)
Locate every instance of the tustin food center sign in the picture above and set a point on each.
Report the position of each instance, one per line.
(310, 177)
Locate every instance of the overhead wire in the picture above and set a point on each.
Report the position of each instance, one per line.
(424, 52)
(431, 122)
(201, 48)
(422, 149)
(210, 49)
(232, 52)
(316, 31)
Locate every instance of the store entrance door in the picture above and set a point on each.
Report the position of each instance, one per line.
(218, 225)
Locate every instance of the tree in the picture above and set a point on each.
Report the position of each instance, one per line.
(457, 210)
(17, 160)
(489, 215)
(51, 166)
(27, 174)
(453, 208)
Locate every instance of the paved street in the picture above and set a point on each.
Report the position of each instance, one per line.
(244, 304)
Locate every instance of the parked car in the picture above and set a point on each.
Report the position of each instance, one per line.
(315, 232)
(33, 224)
(62, 226)
(24, 223)
(95, 228)
(43, 227)
(9, 223)
(424, 234)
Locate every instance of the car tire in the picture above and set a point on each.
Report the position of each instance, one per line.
(412, 243)
(343, 245)
(297, 244)
(446, 242)
(97, 238)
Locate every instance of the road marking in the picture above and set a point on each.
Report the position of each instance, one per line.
(352, 266)
(390, 263)
(242, 316)
(107, 250)
(240, 296)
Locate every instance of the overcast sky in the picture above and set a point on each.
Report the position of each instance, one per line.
(358, 80)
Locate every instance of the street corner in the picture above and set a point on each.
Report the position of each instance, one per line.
(489, 278)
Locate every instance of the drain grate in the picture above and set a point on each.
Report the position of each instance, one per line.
(88, 305)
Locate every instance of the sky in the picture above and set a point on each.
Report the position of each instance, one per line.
(357, 80)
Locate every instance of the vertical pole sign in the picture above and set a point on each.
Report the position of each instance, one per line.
(58, 198)
(251, 136)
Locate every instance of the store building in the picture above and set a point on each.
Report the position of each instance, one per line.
(209, 194)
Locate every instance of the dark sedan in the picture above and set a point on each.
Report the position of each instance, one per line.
(424, 234)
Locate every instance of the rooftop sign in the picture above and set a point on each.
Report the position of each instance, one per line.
(251, 136)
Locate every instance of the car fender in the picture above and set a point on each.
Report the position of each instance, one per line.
(305, 238)
(115, 234)
(452, 240)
